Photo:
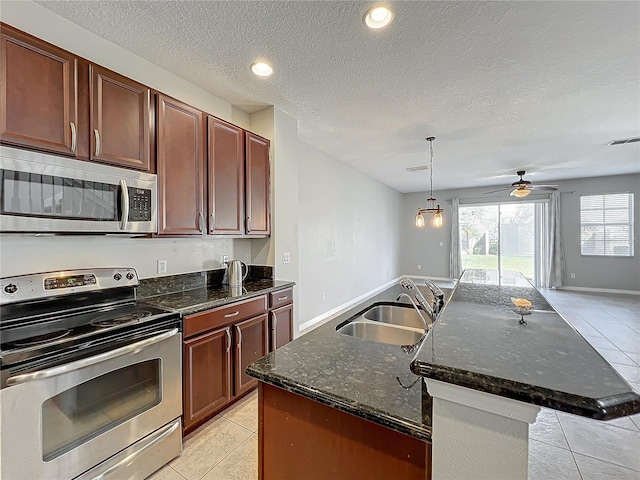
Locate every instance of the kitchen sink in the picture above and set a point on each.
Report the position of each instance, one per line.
(395, 315)
(382, 332)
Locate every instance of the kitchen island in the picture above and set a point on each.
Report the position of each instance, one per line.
(487, 374)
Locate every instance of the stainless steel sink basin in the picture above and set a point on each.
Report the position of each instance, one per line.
(395, 315)
(381, 332)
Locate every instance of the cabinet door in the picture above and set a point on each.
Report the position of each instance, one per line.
(258, 194)
(251, 343)
(207, 375)
(180, 168)
(38, 94)
(280, 326)
(119, 120)
(226, 177)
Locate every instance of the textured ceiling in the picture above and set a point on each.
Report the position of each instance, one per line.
(503, 86)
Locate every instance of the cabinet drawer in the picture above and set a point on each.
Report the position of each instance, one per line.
(282, 297)
(221, 316)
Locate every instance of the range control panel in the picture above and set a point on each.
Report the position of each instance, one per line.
(50, 284)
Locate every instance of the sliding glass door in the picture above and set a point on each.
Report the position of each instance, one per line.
(503, 239)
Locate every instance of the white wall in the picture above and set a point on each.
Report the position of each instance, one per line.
(27, 254)
(349, 227)
(422, 246)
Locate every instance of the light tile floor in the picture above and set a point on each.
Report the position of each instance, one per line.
(561, 447)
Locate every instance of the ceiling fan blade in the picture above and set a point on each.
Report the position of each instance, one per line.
(504, 189)
(544, 187)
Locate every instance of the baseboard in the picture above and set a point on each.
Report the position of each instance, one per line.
(601, 290)
(340, 309)
(426, 277)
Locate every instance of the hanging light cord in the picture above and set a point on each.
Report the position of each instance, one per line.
(430, 140)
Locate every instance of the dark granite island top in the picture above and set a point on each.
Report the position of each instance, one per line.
(352, 375)
(479, 343)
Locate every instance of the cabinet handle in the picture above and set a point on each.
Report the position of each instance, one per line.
(213, 221)
(283, 298)
(200, 222)
(239, 337)
(248, 224)
(229, 315)
(97, 134)
(228, 339)
(274, 332)
(74, 137)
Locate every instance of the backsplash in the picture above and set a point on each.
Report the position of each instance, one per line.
(150, 287)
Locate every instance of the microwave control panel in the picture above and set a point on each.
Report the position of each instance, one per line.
(139, 205)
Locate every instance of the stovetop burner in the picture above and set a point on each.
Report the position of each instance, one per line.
(108, 320)
(38, 339)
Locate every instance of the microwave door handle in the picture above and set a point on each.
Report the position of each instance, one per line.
(124, 195)
(87, 362)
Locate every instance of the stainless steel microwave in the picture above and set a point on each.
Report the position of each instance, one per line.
(42, 193)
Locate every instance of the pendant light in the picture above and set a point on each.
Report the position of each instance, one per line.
(432, 207)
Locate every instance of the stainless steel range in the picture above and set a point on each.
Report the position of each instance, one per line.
(90, 378)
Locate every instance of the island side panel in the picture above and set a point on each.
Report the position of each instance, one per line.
(300, 438)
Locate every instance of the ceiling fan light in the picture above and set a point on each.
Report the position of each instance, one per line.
(419, 220)
(520, 192)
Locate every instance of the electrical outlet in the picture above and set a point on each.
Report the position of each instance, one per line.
(286, 257)
(225, 259)
(442, 244)
(324, 296)
(419, 267)
(573, 275)
(162, 266)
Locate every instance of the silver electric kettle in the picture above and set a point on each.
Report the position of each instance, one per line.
(235, 276)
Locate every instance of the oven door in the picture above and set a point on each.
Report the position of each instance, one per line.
(47, 194)
(60, 422)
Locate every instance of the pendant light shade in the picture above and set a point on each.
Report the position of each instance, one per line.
(437, 220)
(432, 206)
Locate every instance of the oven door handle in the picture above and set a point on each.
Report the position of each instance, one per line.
(132, 349)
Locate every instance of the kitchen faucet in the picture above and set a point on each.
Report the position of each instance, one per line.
(438, 296)
(427, 325)
(417, 294)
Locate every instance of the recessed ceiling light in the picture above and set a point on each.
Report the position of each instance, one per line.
(261, 69)
(378, 17)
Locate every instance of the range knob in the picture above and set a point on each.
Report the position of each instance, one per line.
(129, 276)
(11, 288)
(117, 277)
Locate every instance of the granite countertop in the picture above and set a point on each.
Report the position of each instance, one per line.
(353, 375)
(199, 291)
(479, 343)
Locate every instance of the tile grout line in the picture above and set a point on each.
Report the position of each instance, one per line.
(223, 458)
(607, 462)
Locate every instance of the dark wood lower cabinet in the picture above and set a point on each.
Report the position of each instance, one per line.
(207, 384)
(281, 326)
(300, 438)
(251, 344)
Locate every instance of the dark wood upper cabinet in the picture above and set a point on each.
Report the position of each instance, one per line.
(180, 158)
(207, 381)
(119, 127)
(258, 193)
(225, 177)
(252, 343)
(38, 94)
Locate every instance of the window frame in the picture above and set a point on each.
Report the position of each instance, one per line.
(629, 223)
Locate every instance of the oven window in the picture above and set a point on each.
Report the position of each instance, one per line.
(85, 411)
(33, 194)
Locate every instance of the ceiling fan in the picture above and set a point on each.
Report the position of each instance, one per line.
(523, 187)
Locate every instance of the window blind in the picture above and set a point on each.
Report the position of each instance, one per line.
(606, 224)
